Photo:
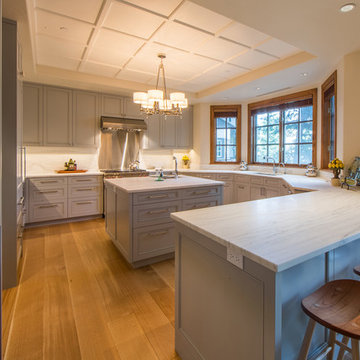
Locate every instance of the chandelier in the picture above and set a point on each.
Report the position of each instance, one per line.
(156, 101)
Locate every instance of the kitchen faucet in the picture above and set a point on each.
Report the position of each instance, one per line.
(176, 167)
(283, 164)
(273, 160)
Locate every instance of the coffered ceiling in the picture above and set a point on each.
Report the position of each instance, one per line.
(121, 39)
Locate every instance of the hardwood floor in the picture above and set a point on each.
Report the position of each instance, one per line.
(79, 299)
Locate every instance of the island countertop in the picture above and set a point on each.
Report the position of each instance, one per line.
(148, 183)
(281, 232)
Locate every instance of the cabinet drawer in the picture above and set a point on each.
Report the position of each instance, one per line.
(78, 207)
(84, 191)
(258, 180)
(205, 202)
(225, 177)
(200, 192)
(154, 213)
(85, 180)
(45, 212)
(153, 241)
(48, 195)
(207, 176)
(44, 183)
(156, 196)
(243, 179)
(272, 182)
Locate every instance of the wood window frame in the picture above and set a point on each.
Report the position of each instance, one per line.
(281, 100)
(328, 83)
(224, 108)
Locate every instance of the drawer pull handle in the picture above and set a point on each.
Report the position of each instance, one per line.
(48, 182)
(48, 192)
(158, 233)
(84, 203)
(153, 212)
(85, 189)
(158, 196)
(47, 206)
(241, 187)
(201, 192)
(201, 206)
(82, 180)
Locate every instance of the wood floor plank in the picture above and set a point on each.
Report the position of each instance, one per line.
(166, 270)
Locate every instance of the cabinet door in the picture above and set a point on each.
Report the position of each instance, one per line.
(228, 192)
(151, 137)
(132, 110)
(184, 129)
(85, 119)
(111, 105)
(257, 192)
(110, 212)
(57, 116)
(241, 192)
(272, 192)
(168, 131)
(33, 114)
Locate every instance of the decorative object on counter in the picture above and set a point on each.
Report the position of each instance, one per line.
(70, 165)
(243, 166)
(186, 162)
(134, 165)
(311, 170)
(348, 182)
(70, 171)
(336, 166)
(160, 175)
(353, 178)
(156, 101)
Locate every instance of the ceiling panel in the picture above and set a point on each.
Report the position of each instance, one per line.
(253, 59)
(170, 84)
(58, 61)
(86, 10)
(201, 17)
(163, 7)
(180, 36)
(225, 71)
(55, 47)
(243, 34)
(108, 56)
(62, 27)
(131, 20)
(98, 69)
(117, 42)
(220, 49)
(278, 48)
(135, 76)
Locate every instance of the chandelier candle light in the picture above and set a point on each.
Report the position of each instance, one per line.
(156, 101)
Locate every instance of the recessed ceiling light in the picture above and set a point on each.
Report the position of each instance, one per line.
(258, 88)
(304, 74)
(347, 7)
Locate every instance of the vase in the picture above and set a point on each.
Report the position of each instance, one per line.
(186, 164)
(335, 181)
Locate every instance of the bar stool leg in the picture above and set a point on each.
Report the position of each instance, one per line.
(332, 344)
(355, 349)
(305, 347)
(344, 341)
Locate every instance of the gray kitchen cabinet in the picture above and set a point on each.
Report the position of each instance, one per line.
(168, 131)
(85, 119)
(33, 114)
(184, 129)
(57, 116)
(111, 105)
(110, 211)
(131, 110)
(151, 136)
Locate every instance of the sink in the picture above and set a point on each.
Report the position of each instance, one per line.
(171, 176)
(267, 174)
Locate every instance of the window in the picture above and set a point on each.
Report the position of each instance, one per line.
(328, 121)
(283, 129)
(225, 134)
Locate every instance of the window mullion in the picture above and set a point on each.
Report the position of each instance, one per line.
(281, 140)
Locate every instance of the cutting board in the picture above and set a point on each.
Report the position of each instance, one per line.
(70, 171)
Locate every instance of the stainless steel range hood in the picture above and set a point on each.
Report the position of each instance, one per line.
(114, 123)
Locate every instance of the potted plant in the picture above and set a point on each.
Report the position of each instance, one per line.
(336, 166)
(186, 161)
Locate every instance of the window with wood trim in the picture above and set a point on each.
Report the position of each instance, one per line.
(328, 120)
(283, 130)
(225, 134)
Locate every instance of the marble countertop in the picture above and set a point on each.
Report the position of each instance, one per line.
(140, 184)
(55, 174)
(283, 231)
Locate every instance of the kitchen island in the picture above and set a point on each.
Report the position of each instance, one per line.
(137, 213)
(242, 270)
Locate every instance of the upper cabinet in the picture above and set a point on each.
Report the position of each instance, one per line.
(111, 105)
(85, 118)
(131, 110)
(33, 114)
(57, 116)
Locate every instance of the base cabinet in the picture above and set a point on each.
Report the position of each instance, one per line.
(63, 197)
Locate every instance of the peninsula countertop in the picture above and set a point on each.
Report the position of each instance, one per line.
(281, 232)
(149, 183)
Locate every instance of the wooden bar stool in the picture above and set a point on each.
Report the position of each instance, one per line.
(357, 270)
(336, 305)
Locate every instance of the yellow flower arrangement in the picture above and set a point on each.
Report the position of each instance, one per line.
(336, 166)
(185, 158)
(186, 161)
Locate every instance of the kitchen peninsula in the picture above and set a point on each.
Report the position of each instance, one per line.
(137, 213)
(242, 270)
